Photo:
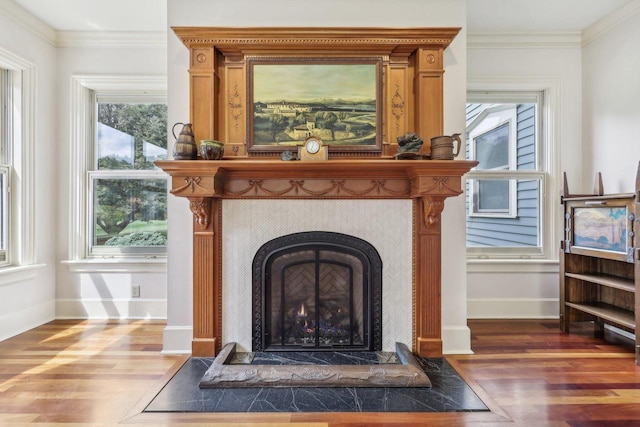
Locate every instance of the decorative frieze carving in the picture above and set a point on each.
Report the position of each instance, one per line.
(317, 188)
(191, 183)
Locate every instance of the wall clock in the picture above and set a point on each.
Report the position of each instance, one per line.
(312, 149)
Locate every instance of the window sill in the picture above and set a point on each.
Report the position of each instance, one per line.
(512, 266)
(15, 274)
(117, 265)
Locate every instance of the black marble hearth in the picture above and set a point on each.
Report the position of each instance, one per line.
(322, 370)
(448, 393)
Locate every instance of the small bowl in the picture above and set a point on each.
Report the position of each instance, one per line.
(211, 150)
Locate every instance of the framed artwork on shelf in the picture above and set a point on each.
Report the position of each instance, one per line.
(600, 227)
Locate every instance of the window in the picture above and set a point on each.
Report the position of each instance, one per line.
(505, 203)
(17, 163)
(5, 163)
(492, 142)
(127, 193)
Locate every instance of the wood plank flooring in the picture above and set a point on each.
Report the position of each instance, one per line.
(86, 373)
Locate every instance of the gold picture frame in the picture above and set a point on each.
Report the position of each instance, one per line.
(336, 99)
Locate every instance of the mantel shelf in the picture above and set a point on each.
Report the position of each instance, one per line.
(351, 179)
(329, 168)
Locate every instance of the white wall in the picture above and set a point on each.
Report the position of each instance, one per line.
(27, 295)
(611, 125)
(355, 13)
(529, 289)
(88, 290)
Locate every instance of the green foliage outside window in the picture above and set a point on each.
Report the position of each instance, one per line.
(130, 209)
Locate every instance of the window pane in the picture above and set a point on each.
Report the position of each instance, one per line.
(492, 148)
(492, 195)
(520, 230)
(4, 213)
(130, 212)
(131, 136)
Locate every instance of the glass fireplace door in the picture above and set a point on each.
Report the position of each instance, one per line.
(316, 300)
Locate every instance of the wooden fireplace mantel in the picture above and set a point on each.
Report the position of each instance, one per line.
(410, 83)
(206, 183)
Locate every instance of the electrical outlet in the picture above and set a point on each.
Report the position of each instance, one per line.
(135, 291)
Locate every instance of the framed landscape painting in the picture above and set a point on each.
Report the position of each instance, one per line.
(337, 100)
(601, 228)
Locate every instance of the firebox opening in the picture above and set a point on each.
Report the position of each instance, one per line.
(317, 291)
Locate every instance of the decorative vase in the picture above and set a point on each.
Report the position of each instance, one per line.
(185, 147)
(211, 150)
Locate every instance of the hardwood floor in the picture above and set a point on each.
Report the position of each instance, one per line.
(528, 372)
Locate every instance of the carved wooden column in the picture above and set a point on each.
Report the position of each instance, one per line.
(207, 327)
(429, 99)
(203, 189)
(429, 191)
(204, 86)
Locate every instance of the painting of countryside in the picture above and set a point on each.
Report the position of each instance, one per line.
(335, 102)
(601, 228)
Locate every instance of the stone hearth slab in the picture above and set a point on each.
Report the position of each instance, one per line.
(406, 374)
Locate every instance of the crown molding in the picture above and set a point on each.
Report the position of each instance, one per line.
(609, 22)
(112, 39)
(30, 22)
(521, 40)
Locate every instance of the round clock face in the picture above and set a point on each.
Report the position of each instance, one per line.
(312, 145)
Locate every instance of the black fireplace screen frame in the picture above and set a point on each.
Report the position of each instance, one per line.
(318, 240)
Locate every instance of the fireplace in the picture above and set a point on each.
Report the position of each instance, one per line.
(208, 183)
(317, 291)
(412, 98)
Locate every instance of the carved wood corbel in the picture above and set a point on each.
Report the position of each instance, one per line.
(432, 207)
(201, 209)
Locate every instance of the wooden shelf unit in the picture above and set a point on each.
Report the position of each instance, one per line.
(600, 260)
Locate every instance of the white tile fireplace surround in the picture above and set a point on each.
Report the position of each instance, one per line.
(248, 224)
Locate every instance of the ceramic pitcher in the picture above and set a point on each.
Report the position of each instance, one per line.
(185, 147)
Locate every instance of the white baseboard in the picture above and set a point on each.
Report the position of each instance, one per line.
(177, 340)
(456, 340)
(15, 323)
(111, 308)
(541, 308)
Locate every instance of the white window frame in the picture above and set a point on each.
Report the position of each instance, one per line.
(6, 110)
(19, 157)
(5, 212)
(95, 173)
(83, 88)
(488, 90)
(487, 121)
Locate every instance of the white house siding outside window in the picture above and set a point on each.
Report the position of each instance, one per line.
(505, 192)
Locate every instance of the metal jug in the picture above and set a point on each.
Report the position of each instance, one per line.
(442, 147)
